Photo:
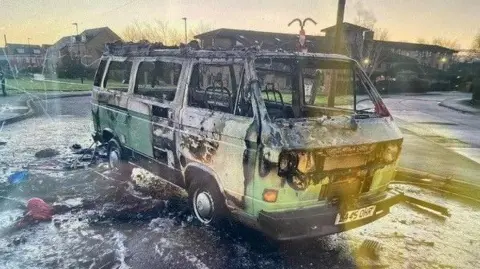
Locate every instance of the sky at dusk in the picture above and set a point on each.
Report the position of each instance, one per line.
(45, 21)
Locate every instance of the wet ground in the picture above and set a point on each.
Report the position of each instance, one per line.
(102, 221)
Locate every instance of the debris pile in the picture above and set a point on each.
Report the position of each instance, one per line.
(153, 185)
(47, 153)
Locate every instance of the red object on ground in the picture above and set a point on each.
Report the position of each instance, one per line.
(37, 210)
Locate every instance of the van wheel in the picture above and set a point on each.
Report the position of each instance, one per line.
(114, 155)
(207, 202)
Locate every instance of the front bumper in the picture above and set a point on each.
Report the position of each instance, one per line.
(319, 221)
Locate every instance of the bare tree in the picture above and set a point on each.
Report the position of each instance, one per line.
(381, 34)
(421, 40)
(133, 32)
(364, 17)
(159, 31)
(370, 53)
(445, 42)
(476, 42)
(198, 29)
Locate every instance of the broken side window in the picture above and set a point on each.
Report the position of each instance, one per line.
(99, 75)
(118, 76)
(158, 79)
(214, 86)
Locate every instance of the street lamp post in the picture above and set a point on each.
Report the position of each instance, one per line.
(185, 23)
(78, 52)
(76, 26)
(29, 52)
(337, 47)
(78, 47)
(339, 26)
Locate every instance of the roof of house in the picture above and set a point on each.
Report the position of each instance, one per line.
(62, 42)
(266, 39)
(91, 33)
(347, 27)
(27, 49)
(88, 33)
(227, 32)
(415, 46)
(287, 41)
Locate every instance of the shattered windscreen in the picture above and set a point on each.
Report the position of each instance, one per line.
(312, 85)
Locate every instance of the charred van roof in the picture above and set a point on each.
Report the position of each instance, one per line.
(186, 51)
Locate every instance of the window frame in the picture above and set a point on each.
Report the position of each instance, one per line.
(107, 69)
(100, 84)
(227, 63)
(137, 65)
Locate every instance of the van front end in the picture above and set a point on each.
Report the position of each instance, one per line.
(329, 147)
(319, 192)
(321, 220)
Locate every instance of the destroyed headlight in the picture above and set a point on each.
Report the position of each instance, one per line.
(287, 163)
(306, 162)
(390, 153)
(291, 162)
(298, 183)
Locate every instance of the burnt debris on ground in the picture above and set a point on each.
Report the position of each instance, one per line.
(47, 153)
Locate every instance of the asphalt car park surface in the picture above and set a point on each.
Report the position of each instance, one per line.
(103, 222)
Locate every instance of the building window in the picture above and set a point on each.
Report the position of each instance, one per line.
(20, 50)
(36, 51)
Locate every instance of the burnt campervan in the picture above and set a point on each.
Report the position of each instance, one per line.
(294, 144)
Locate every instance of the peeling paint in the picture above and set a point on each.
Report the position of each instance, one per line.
(201, 149)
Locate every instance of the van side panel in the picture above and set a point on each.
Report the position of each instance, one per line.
(221, 141)
(112, 113)
(140, 127)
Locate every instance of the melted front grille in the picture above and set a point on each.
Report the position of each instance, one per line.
(344, 188)
(341, 162)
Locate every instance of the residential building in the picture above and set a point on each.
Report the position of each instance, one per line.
(230, 38)
(358, 42)
(22, 56)
(88, 46)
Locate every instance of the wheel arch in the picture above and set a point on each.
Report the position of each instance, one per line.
(195, 169)
(108, 134)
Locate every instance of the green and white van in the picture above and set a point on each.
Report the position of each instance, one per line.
(293, 144)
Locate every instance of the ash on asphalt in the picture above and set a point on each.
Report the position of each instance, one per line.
(102, 221)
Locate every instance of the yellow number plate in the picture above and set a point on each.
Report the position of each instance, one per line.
(354, 215)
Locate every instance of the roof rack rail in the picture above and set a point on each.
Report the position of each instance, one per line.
(142, 48)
